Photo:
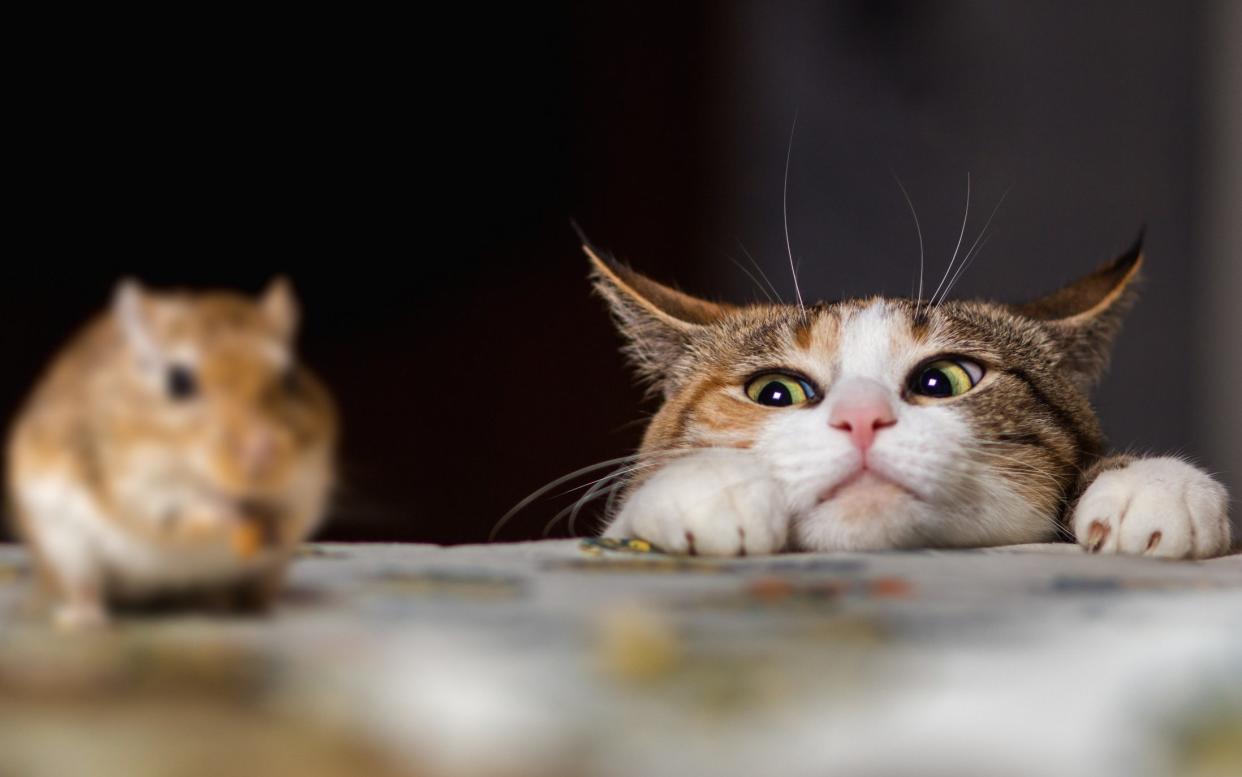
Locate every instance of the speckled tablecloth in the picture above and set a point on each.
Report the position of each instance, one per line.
(546, 659)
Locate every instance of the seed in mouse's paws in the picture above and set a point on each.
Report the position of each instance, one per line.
(201, 524)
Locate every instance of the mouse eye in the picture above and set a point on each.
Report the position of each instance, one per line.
(180, 382)
(777, 389)
(946, 378)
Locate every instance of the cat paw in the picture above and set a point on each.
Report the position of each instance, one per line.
(1154, 507)
(707, 504)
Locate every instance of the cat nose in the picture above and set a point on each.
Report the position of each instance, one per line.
(861, 408)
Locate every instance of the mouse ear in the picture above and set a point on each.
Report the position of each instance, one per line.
(280, 305)
(129, 308)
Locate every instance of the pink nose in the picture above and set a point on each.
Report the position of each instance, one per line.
(862, 408)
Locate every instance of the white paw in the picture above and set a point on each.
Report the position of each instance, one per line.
(1155, 507)
(714, 504)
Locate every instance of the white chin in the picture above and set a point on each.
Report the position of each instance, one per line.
(866, 494)
(869, 513)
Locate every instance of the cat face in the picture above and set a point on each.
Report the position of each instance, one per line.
(887, 423)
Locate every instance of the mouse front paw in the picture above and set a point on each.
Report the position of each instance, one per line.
(1154, 507)
(79, 616)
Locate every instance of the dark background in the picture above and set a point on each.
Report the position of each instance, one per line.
(416, 178)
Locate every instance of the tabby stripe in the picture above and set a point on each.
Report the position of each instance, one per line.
(1023, 438)
(1062, 417)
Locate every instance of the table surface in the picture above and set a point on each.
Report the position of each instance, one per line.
(552, 658)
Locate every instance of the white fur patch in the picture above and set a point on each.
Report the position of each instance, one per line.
(867, 344)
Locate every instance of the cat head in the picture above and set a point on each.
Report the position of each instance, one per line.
(889, 422)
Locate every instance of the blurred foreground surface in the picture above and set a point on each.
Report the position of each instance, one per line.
(557, 659)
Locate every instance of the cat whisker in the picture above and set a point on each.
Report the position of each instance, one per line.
(759, 269)
(618, 475)
(785, 214)
(643, 418)
(919, 230)
(588, 484)
(1025, 467)
(590, 495)
(958, 247)
(597, 490)
(617, 487)
(504, 519)
(610, 502)
(992, 450)
(969, 489)
(543, 490)
(971, 251)
(753, 279)
(1049, 488)
(966, 264)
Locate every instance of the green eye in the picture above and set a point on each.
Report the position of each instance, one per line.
(776, 389)
(946, 378)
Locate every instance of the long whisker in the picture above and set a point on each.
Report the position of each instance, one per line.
(1025, 471)
(601, 487)
(952, 259)
(785, 214)
(966, 264)
(755, 280)
(919, 229)
(1032, 493)
(597, 490)
(633, 457)
(643, 418)
(610, 502)
(982, 232)
(1016, 465)
(621, 460)
(759, 269)
(504, 519)
(577, 507)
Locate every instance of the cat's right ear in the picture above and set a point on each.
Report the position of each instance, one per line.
(657, 322)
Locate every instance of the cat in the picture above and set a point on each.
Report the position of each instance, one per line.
(887, 423)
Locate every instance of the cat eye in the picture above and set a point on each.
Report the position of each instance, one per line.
(946, 378)
(180, 382)
(777, 389)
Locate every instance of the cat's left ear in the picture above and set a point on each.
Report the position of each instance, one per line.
(658, 322)
(1085, 315)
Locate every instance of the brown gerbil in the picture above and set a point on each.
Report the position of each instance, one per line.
(174, 447)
